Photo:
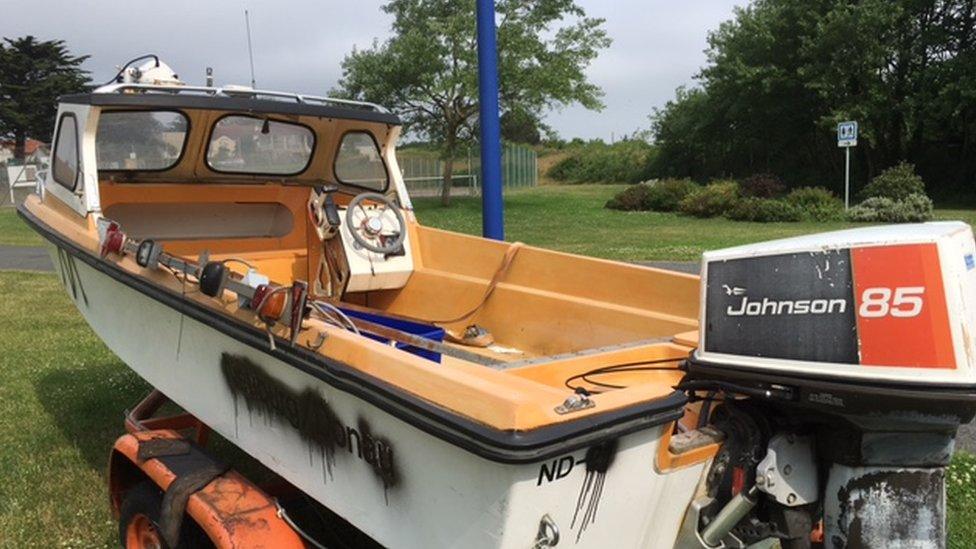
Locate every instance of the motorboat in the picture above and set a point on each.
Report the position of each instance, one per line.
(254, 256)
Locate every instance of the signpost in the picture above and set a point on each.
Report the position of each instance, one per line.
(847, 138)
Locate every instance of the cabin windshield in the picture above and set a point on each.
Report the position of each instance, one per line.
(140, 140)
(250, 145)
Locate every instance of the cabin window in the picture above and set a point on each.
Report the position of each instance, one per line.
(65, 169)
(359, 162)
(260, 146)
(140, 140)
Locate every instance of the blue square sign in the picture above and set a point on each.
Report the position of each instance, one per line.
(847, 134)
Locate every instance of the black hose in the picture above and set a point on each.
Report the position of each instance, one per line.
(116, 79)
(639, 366)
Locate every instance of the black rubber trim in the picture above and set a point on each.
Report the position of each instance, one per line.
(959, 400)
(236, 104)
(504, 446)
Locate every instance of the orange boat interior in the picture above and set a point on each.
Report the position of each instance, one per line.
(554, 317)
(547, 304)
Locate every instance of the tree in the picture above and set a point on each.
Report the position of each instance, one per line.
(33, 75)
(519, 126)
(782, 73)
(428, 69)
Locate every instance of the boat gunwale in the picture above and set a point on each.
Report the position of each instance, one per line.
(498, 445)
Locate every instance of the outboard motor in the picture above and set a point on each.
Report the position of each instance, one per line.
(856, 355)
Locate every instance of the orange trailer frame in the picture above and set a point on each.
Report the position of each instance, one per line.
(229, 509)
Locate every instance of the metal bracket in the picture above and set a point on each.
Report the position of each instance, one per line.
(574, 403)
(548, 535)
(788, 473)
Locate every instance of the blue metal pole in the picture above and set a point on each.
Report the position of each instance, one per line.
(492, 215)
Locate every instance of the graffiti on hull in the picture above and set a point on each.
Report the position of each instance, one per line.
(311, 416)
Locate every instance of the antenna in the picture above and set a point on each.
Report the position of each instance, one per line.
(250, 51)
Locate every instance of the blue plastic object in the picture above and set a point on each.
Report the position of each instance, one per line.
(492, 214)
(426, 331)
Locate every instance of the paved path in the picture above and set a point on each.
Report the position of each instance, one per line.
(23, 258)
(37, 259)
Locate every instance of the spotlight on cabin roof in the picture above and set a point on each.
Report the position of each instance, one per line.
(147, 69)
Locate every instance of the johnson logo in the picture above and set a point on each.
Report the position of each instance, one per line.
(773, 307)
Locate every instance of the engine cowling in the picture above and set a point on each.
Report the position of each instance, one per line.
(884, 304)
(863, 339)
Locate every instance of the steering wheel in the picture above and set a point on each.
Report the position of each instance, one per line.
(380, 229)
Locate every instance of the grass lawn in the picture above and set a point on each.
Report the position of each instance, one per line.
(13, 231)
(571, 218)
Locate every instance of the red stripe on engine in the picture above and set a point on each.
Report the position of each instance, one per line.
(902, 319)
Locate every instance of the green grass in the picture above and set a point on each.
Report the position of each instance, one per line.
(62, 394)
(572, 219)
(961, 491)
(13, 231)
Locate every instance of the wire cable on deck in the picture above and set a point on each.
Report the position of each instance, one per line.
(328, 309)
(639, 366)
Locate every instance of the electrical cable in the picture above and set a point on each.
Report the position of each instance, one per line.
(284, 516)
(769, 393)
(639, 366)
(115, 79)
(244, 262)
(327, 309)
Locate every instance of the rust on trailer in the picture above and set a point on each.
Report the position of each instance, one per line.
(231, 510)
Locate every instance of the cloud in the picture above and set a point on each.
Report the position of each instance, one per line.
(298, 45)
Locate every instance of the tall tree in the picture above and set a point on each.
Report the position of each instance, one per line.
(428, 68)
(782, 73)
(32, 75)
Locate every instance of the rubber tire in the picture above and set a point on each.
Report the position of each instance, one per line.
(146, 499)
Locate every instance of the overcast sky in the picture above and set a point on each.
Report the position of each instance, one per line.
(658, 44)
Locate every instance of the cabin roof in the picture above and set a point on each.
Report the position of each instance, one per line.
(222, 102)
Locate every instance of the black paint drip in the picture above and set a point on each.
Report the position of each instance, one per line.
(311, 415)
(598, 461)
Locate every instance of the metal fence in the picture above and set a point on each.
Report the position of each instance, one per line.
(424, 174)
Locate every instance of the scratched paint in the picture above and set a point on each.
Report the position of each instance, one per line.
(312, 417)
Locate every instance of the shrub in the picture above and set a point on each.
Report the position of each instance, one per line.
(666, 195)
(711, 200)
(762, 185)
(816, 204)
(633, 198)
(871, 210)
(763, 210)
(896, 183)
(661, 196)
(914, 208)
(598, 162)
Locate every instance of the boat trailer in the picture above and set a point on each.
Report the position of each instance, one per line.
(167, 491)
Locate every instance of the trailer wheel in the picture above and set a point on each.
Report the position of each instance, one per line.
(139, 522)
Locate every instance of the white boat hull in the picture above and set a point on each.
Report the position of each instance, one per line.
(397, 483)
